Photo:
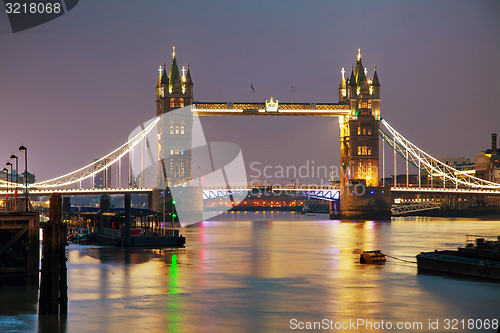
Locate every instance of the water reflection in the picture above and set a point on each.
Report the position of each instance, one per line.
(244, 275)
(173, 300)
(18, 299)
(52, 324)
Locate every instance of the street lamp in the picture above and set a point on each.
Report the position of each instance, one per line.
(25, 150)
(9, 164)
(14, 157)
(7, 179)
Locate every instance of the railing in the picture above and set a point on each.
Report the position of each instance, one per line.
(412, 208)
(445, 190)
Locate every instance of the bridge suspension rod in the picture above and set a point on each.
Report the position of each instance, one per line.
(99, 165)
(428, 164)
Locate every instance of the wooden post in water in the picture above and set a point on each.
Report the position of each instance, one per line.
(53, 285)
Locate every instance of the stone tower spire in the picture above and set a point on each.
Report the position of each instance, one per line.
(342, 87)
(175, 92)
(359, 142)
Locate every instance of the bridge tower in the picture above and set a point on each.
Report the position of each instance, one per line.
(359, 143)
(361, 196)
(174, 91)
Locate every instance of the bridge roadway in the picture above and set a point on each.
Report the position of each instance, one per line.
(398, 189)
(320, 192)
(448, 190)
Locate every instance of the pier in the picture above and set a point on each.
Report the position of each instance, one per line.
(19, 247)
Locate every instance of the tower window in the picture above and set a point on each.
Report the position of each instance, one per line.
(182, 102)
(359, 150)
(369, 131)
(182, 129)
(176, 129)
(359, 130)
(177, 151)
(171, 129)
(171, 151)
(364, 131)
(182, 151)
(172, 103)
(369, 151)
(162, 92)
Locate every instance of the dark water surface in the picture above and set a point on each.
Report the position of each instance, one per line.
(267, 272)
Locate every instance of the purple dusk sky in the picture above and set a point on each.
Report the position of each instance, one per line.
(73, 88)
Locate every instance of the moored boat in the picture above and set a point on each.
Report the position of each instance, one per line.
(372, 257)
(479, 258)
(169, 238)
(82, 235)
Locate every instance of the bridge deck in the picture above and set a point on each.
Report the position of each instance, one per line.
(244, 188)
(259, 109)
(445, 190)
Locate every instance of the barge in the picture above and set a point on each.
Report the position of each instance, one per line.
(118, 237)
(479, 258)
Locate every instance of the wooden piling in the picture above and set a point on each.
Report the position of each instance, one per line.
(53, 286)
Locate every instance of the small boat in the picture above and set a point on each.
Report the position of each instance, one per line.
(479, 258)
(372, 257)
(82, 235)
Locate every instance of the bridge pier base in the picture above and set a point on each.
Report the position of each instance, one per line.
(128, 219)
(369, 203)
(334, 210)
(104, 206)
(66, 208)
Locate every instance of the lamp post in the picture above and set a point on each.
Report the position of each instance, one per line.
(14, 157)
(25, 150)
(9, 164)
(7, 179)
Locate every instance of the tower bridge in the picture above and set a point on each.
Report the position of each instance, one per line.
(361, 127)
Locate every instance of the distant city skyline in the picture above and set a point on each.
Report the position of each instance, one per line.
(74, 88)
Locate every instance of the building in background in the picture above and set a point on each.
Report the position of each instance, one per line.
(31, 177)
(103, 179)
(487, 164)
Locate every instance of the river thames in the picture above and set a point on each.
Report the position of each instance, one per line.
(269, 272)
